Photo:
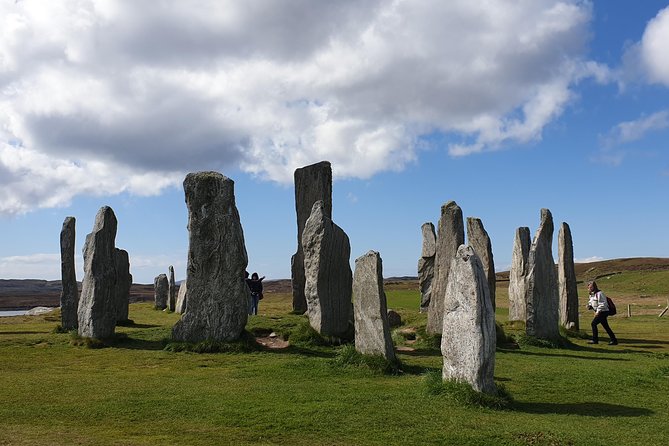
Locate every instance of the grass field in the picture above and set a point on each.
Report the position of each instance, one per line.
(136, 393)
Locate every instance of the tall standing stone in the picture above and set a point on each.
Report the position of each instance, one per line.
(160, 291)
(328, 275)
(312, 183)
(451, 235)
(372, 331)
(567, 279)
(218, 297)
(123, 284)
(181, 298)
(69, 296)
(426, 265)
(542, 287)
(97, 305)
(171, 290)
(479, 240)
(468, 339)
(518, 275)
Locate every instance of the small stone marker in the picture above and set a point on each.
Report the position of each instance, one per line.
(372, 331)
(480, 241)
(426, 265)
(328, 275)
(567, 279)
(181, 298)
(518, 275)
(97, 305)
(123, 284)
(468, 339)
(218, 297)
(160, 291)
(171, 290)
(69, 296)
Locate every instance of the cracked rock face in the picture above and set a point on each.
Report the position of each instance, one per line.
(479, 240)
(160, 286)
(518, 274)
(468, 339)
(69, 297)
(568, 292)
(123, 284)
(426, 265)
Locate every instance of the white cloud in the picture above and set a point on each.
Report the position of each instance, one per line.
(32, 266)
(589, 259)
(102, 96)
(655, 48)
(629, 131)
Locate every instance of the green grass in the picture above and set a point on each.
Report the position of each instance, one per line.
(134, 391)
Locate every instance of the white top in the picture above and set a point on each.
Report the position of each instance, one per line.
(598, 302)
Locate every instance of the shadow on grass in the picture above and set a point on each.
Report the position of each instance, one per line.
(589, 408)
(419, 352)
(300, 350)
(563, 355)
(134, 325)
(136, 344)
(22, 332)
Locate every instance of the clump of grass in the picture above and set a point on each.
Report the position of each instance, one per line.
(426, 341)
(245, 344)
(348, 356)
(524, 339)
(463, 394)
(503, 340)
(80, 341)
(573, 333)
(304, 335)
(661, 372)
(59, 329)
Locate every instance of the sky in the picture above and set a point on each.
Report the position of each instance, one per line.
(506, 107)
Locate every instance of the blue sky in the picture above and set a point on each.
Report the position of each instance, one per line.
(504, 107)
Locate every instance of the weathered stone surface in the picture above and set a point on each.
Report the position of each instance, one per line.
(312, 183)
(468, 338)
(451, 236)
(123, 284)
(328, 285)
(217, 298)
(479, 240)
(426, 265)
(542, 287)
(518, 275)
(567, 279)
(97, 304)
(69, 296)
(394, 319)
(181, 298)
(171, 290)
(160, 291)
(372, 331)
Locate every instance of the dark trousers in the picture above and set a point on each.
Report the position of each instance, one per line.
(602, 318)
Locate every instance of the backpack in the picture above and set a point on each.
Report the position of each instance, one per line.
(612, 306)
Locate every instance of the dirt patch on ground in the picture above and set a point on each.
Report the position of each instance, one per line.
(272, 342)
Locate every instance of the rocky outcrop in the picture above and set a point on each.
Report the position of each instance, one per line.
(426, 265)
(217, 293)
(542, 287)
(518, 275)
(567, 279)
(479, 240)
(468, 339)
(123, 284)
(69, 296)
(372, 331)
(160, 291)
(171, 290)
(97, 305)
(181, 298)
(328, 275)
(312, 183)
(450, 236)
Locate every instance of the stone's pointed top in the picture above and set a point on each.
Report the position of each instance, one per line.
(370, 253)
(318, 208)
(449, 205)
(429, 240)
(546, 214)
(318, 165)
(207, 174)
(465, 252)
(104, 217)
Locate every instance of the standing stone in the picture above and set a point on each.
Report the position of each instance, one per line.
(69, 296)
(567, 279)
(479, 240)
(171, 290)
(123, 284)
(160, 291)
(468, 339)
(328, 275)
(218, 297)
(97, 305)
(517, 275)
(451, 236)
(312, 183)
(426, 265)
(372, 331)
(181, 298)
(542, 287)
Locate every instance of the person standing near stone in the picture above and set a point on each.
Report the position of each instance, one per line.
(69, 297)
(600, 306)
(255, 287)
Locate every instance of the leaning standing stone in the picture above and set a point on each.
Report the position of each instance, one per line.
(328, 274)
(542, 287)
(69, 297)
(97, 306)
(468, 339)
(181, 298)
(480, 241)
(160, 291)
(518, 273)
(567, 279)
(171, 290)
(218, 296)
(426, 265)
(312, 183)
(451, 235)
(372, 331)
(123, 284)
